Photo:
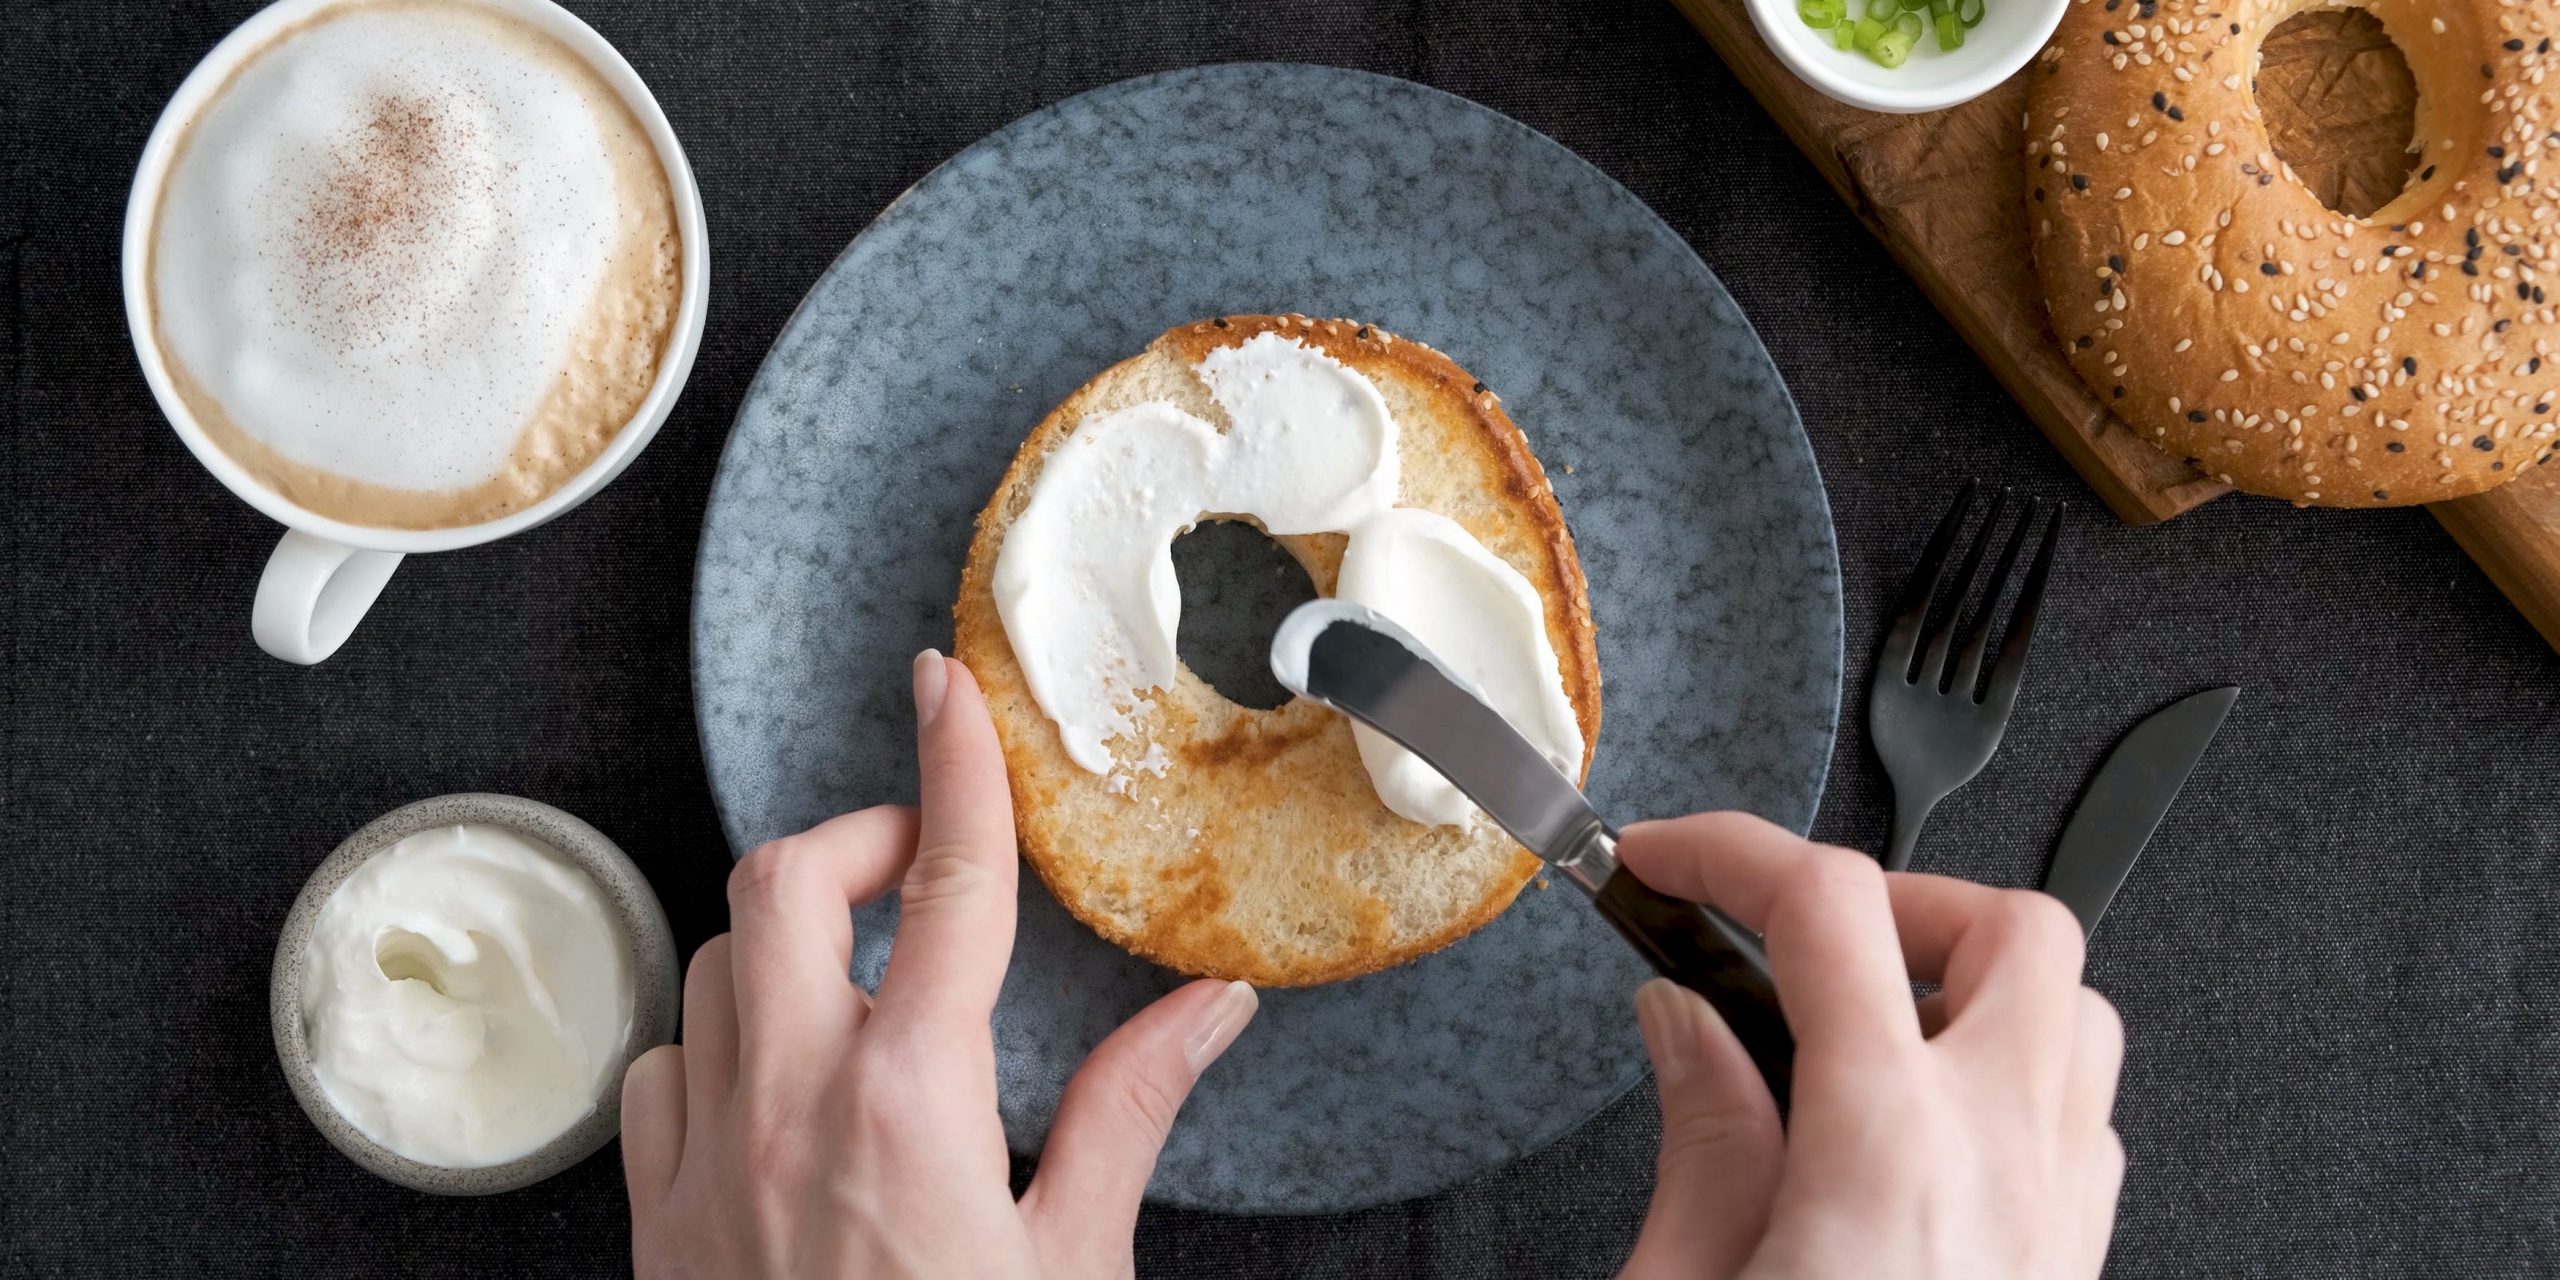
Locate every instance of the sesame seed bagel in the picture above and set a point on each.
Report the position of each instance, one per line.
(1262, 852)
(2282, 347)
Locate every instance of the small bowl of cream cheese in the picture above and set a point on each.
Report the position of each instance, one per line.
(460, 986)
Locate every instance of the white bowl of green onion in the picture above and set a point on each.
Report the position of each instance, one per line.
(1905, 55)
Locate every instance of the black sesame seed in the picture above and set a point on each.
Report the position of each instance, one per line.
(1479, 388)
(2235, 28)
(2177, 113)
(2472, 237)
(2544, 407)
(2267, 268)
(2039, 195)
(2390, 250)
(2195, 415)
(2111, 5)
(2418, 272)
(2109, 37)
(2079, 182)
(2524, 291)
(2531, 366)
(2357, 392)
(2399, 226)
(2426, 173)
(2470, 268)
(2486, 73)
(2265, 178)
(2509, 173)
(2084, 341)
(1220, 321)
(2115, 263)
(2496, 153)
(2382, 495)
(2511, 250)
(1363, 335)
(2515, 46)
(2119, 393)
(2501, 326)
(2159, 102)
(2106, 286)
(2544, 47)
(2409, 365)
(2483, 443)
(2395, 447)
(2499, 465)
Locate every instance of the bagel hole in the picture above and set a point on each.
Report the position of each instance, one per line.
(2341, 107)
(1237, 584)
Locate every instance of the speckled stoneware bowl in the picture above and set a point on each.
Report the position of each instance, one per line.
(656, 983)
(1062, 243)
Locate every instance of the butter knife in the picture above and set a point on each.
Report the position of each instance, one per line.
(1357, 662)
(2126, 800)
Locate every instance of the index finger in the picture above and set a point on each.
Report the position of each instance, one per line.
(1823, 914)
(955, 909)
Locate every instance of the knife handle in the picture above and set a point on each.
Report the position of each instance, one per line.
(1708, 952)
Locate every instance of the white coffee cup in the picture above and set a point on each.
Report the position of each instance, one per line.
(326, 573)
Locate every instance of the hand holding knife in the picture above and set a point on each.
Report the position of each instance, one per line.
(1353, 660)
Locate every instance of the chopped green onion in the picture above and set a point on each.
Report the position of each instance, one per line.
(1893, 47)
(1888, 30)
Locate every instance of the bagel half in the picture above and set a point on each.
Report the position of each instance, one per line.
(2282, 347)
(1263, 854)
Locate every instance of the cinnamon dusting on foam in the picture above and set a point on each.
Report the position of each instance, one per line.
(394, 197)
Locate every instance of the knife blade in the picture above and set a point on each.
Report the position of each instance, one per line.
(2126, 800)
(1357, 662)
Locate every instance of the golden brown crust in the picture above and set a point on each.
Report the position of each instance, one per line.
(1263, 854)
(2280, 346)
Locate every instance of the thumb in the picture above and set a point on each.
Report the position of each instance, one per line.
(1721, 1144)
(1083, 1205)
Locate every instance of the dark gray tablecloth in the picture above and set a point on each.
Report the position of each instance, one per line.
(2332, 964)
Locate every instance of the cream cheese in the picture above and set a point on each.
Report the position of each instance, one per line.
(1085, 585)
(466, 996)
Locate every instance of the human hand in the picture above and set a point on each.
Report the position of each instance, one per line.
(1965, 1137)
(805, 1128)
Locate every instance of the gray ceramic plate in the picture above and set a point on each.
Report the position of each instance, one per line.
(892, 400)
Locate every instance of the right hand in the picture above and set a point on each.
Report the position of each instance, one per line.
(1962, 1138)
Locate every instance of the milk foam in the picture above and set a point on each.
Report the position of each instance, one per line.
(415, 264)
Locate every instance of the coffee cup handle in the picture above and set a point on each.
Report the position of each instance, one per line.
(313, 594)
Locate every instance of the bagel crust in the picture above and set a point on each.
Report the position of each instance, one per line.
(2280, 346)
(1262, 853)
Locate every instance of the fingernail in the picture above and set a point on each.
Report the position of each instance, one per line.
(1673, 1037)
(1219, 1025)
(932, 677)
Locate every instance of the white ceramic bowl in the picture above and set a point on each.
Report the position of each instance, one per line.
(2012, 31)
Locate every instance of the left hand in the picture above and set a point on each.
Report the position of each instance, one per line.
(805, 1128)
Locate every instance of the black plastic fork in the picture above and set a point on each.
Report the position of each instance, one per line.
(1934, 729)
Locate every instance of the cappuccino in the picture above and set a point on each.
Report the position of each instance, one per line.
(415, 264)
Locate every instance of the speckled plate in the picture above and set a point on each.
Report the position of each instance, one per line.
(1062, 243)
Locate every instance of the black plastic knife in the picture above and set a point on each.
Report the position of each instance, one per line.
(2127, 799)
(1357, 662)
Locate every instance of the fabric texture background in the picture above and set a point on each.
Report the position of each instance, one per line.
(2332, 962)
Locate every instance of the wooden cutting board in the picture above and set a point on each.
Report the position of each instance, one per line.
(1943, 191)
